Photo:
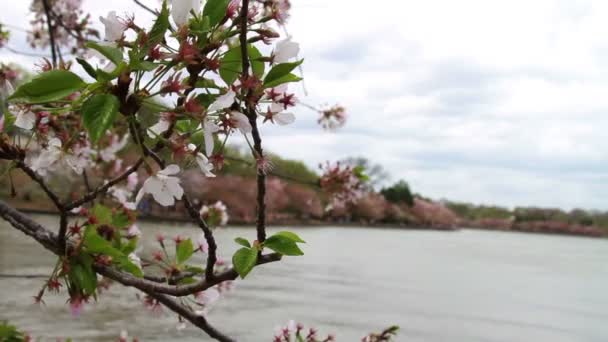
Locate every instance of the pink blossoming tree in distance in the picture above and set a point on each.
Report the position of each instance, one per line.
(75, 116)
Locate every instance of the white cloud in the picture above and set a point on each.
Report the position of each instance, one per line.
(482, 100)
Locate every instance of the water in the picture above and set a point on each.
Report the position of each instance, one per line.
(438, 286)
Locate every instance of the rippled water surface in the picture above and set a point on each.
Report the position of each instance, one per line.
(438, 286)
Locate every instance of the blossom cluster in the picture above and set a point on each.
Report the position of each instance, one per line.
(215, 214)
(9, 75)
(71, 27)
(173, 95)
(296, 332)
(332, 118)
(344, 184)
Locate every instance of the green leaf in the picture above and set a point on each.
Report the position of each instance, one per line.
(206, 99)
(130, 246)
(103, 76)
(82, 274)
(102, 213)
(231, 64)
(207, 83)
(194, 269)
(111, 53)
(184, 251)
(98, 114)
(9, 333)
(121, 220)
(215, 10)
(98, 245)
(126, 265)
(244, 260)
(283, 245)
(280, 70)
(359, 172)
(292, 236)
(186, 281)
(49, 86)
(285, 79)
(144, 65)
(186, 125)
(160, 27)
(87, 67)
(243, 242)
(9, 121)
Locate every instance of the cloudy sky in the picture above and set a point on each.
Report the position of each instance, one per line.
(486, 101)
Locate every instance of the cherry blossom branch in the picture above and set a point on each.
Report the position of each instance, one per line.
(257, 140)
(177, 290)
(29, 227)
(198, 320)
(49, 241)
(63, 219)
(36, 178)
(140, 4)
(29, 54)
(67, 29)
(208, 234)
(104, 188)
(47, 11)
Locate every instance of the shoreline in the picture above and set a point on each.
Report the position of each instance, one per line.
(319, 223)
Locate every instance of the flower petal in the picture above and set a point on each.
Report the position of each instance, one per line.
(223, 101)
(25, 119)
(169, 170)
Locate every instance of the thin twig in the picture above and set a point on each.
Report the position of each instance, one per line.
(104, 188)
(47, 11)
(29, 54)
(257, 140)
(198, 320)
(145, 7)
(36, 178)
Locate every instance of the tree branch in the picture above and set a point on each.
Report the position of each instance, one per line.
(104, 188)
(158, 291)
(198, 320)
(194, 214)
(36, 178)
(177, 290)
(47, 11)
(257, 140)
(140, 4)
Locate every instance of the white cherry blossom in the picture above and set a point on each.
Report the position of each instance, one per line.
(108, 154)
(241, 122)
(133, 231)
(114, 28)
(223, 101)
(122, 195)
(159, 128)
(135, 259)
(209, 127)
(163, 186)
(285, 50)
(275, 114)
(202, 161)
(25, 119)
(180, 10)
(49, 156)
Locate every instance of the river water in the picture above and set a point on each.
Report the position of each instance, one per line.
(438, 286)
